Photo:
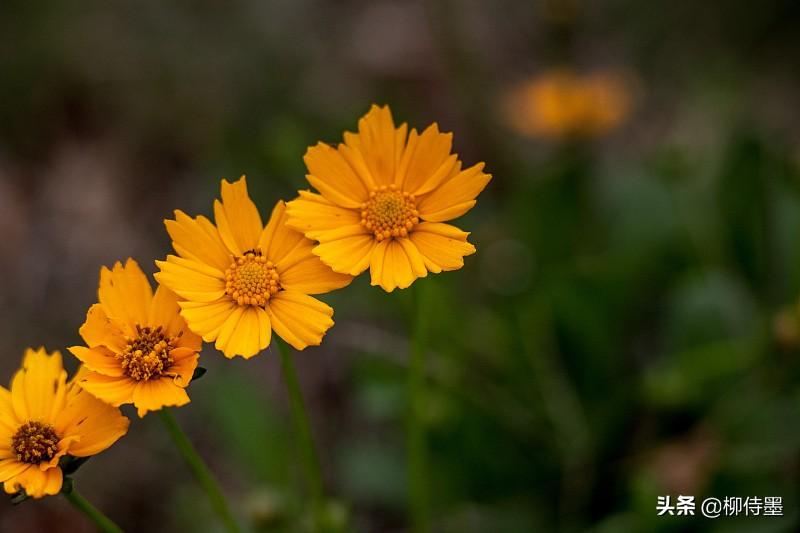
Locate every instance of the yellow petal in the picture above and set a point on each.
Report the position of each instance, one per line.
(454, 197)
(37, 483)
(185, 363)
(165, 312)
(314, 216)
(154, 394)
(114, 391)
(350, 255)
(198, 239)
(227, 342)
(414, 257)
(299, 319)
(244, 334)
(237, 217)
(278, 240)
(8, 418)
(332, 175)
(312, 276)
(10, 468)
(206, 319)
(442, 246)
(191, 280)
(392, 267)
(93, 424)
(426, 161)
(100, 330)
(100, 360)
(377, 143)
(38, 388)
(125, 293)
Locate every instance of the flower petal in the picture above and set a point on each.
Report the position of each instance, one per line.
(242, 333)
(332, 175)
(10, 468)
(100, 360)
(37, 483)
(152, 395)
(114, 391)
(455, 196)
(322, 220)
(279, 240)
(100, 330)
(312, 276)
(206, 318)
(198, 239)
(350, 255)
(91, 423)
(165, 312)
(8, 418)
(237, 217)
(426, 160)
(395, 265)
(299, 319)
(191, 280)
(184, 365)
(125, 292)
(376, 141)
(39, 387)
(442, 246)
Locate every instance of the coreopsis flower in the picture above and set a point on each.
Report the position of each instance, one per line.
(43, 418)
(383, 198)
(240, 280)
(138, 347)
(562, 103)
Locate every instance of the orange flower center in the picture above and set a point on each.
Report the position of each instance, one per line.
(389, 213)
(35, 442)
(147, 355)
(252, 279)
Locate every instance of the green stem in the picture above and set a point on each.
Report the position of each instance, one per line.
(201, 471)
(310, 458)
(415, 434)
(102, 522)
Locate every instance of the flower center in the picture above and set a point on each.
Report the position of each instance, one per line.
(252, 279)
(35, 442)
(147, 355)
(389, 213)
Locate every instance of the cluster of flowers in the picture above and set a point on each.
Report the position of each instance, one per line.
(383, 198)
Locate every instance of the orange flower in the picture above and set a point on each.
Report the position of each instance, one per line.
(138, 348)
(239, 280)
(43, 418)
(562, 103)
(384, 196)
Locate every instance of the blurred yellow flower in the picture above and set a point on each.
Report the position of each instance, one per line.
(563, 103)
(44, 418)
(138, 348)
(240, 280)
(383, 198)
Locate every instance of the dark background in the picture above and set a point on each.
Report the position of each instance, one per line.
(627, 328)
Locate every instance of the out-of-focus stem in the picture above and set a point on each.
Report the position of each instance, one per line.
(416, 445)
(308, 450)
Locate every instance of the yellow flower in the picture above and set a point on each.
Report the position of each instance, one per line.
(383, 198)
(138, 348)
(44, 418)
(240, 280)
(563, 103)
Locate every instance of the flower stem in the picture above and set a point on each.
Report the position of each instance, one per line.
(102, 522)
(201, 471)
(310, 458)
(415, 433)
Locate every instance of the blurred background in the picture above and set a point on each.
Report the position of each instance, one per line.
(627, 329)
